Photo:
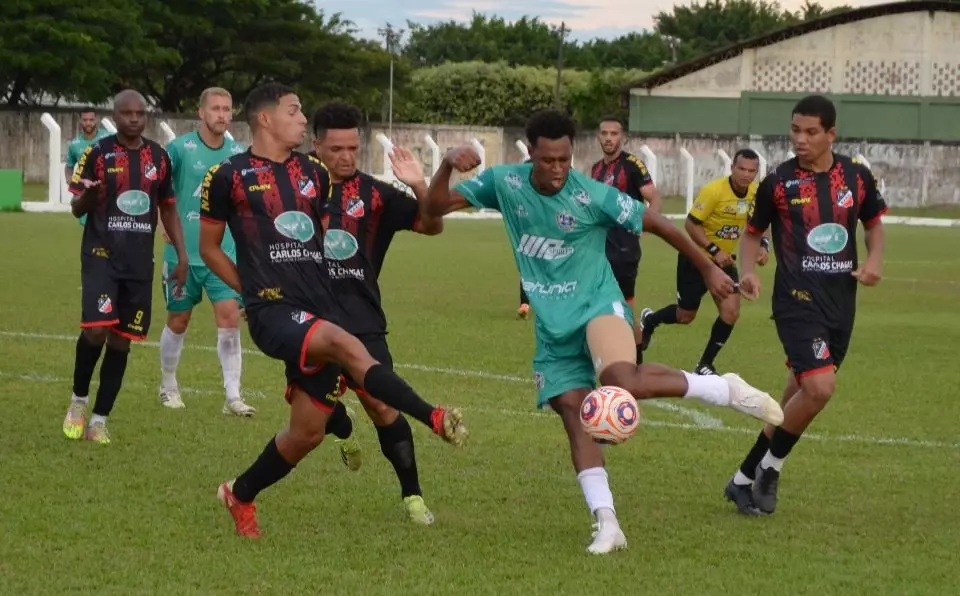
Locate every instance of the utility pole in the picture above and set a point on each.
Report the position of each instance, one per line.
(392, 39)
(556, 91)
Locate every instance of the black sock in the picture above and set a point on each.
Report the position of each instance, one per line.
(384, 384)
(111, 378)
(523, 297)
(718, 336)
(665, 316)
(84, 364)
(782, 442)
(639, 354)
(749, 466)
(269, 469)
(396, 443)
(339, 424)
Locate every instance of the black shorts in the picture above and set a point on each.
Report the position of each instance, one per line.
(123, 305)
(283, 332)
(625, 273)
(691, 287)
(812, 346)
(377, 346)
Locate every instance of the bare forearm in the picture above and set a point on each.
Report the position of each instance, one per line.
(651, 195)
(875, 240)
(750, 251)
(697, 234)
(221, 266)
(438, 195)
(171, 225)
(429, 224)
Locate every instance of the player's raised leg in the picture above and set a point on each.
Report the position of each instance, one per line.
(610, 337)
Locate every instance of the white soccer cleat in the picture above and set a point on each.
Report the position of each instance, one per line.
(753, 402)
(607, 537)
(170, 398)
(238, 407)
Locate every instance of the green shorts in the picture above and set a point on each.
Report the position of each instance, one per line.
(563, 364)
(199, 279)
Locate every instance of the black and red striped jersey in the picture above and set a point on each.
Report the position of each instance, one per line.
(628, 174)
(121, 225)
(813, 218)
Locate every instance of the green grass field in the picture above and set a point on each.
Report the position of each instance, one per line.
(869, 502)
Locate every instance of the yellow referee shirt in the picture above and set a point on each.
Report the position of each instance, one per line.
(722, 213)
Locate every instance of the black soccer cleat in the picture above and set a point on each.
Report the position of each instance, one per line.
(647, 331)
(765, 489)
(742, 496)
(705, 370)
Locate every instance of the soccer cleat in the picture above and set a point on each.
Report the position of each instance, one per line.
(238, 407)
(765, 489)
(170, 398)
(523, 312)
(350, 452)
(647, 334)
(76, 420)
(244, 514)
(417, 510)
(97, 432)
(449, 425)
(704, 370)
(753, 402)
(607, 537)
(741, 495)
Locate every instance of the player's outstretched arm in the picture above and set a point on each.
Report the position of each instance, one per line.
(441, 199)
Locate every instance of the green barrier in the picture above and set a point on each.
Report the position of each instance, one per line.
(11, 190)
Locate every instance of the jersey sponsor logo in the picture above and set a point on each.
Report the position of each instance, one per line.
(114, 170)
(729, 232)
(236, 148)
(199, 166)
(355, 208)
(270, 294)
(259, 187)
(306, 188)
(301, 316)
(134, 202)
(539, 247)
(193, 216)
(582, 197)
(545, 290)
(295, 225)
(521, 211)
(402, 188)
(844, 198)
(627, 206)
(566, 221)
(339, 245)
(150, 172)
(800, 201)
(828, 238)
(246, 171)
(189, 145)
(791, 183)
(513, 180)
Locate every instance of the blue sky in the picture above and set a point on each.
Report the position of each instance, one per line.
(587, 18)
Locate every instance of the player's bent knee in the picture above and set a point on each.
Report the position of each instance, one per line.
(819, 387)
(379, 413)
(226, 314)
(629, 377)
(178, 322)
(685, 317)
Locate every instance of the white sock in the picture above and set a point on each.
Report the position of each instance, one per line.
(228, 348)
(97, 418)
(596, 490)
(171, 345)
(709, 389)
(740, 479)
(769, 461)
(80, 400)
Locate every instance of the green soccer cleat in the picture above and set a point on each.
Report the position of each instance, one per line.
(350, 451)
(76, 420)
(417, 510)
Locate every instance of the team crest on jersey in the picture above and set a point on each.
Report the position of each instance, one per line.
(301, 316)
(189, 145)
(539, 379)
(513, 180)
(306, 188)
(821, 351)
(609, 179)
(582, 197)
(199, 165)
(844, 198)
(741, 207)
(151, 172)
(104, 305)
(355, 208)
(566, 221)
(521, 211)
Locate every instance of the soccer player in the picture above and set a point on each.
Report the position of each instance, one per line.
(362, 217)
(628, 174)
(812, 203)
(191, 155)
(120, 182)
(715, 223)
(557, 219)
(90, 133)
(272, 198)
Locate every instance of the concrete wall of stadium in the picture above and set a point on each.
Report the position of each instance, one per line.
(915, 173)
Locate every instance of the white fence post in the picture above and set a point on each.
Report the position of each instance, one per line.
(56, 185)
(650, 160)
(762, 171)
(228, 135)
(387, 145)
(109, 125)
(482, 152)
(522, 147)
(727, 162)
(167, 131)
(688, 173)
(434, 154)
(882, 186)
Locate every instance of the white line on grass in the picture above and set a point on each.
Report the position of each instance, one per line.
(889, 441)
(698, 418)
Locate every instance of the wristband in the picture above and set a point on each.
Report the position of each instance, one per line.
(713, 249)
(765, 243)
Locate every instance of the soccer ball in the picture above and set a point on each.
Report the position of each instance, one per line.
(610, 415)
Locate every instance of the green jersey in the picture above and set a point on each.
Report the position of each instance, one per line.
(190, 159)
(79, 144)
(559, 240)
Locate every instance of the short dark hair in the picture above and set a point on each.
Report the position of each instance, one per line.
(616, 119)
(550, 124)
(746, 154)
(819, 106)
(87, 110)
(336, 116)
(266, 95)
